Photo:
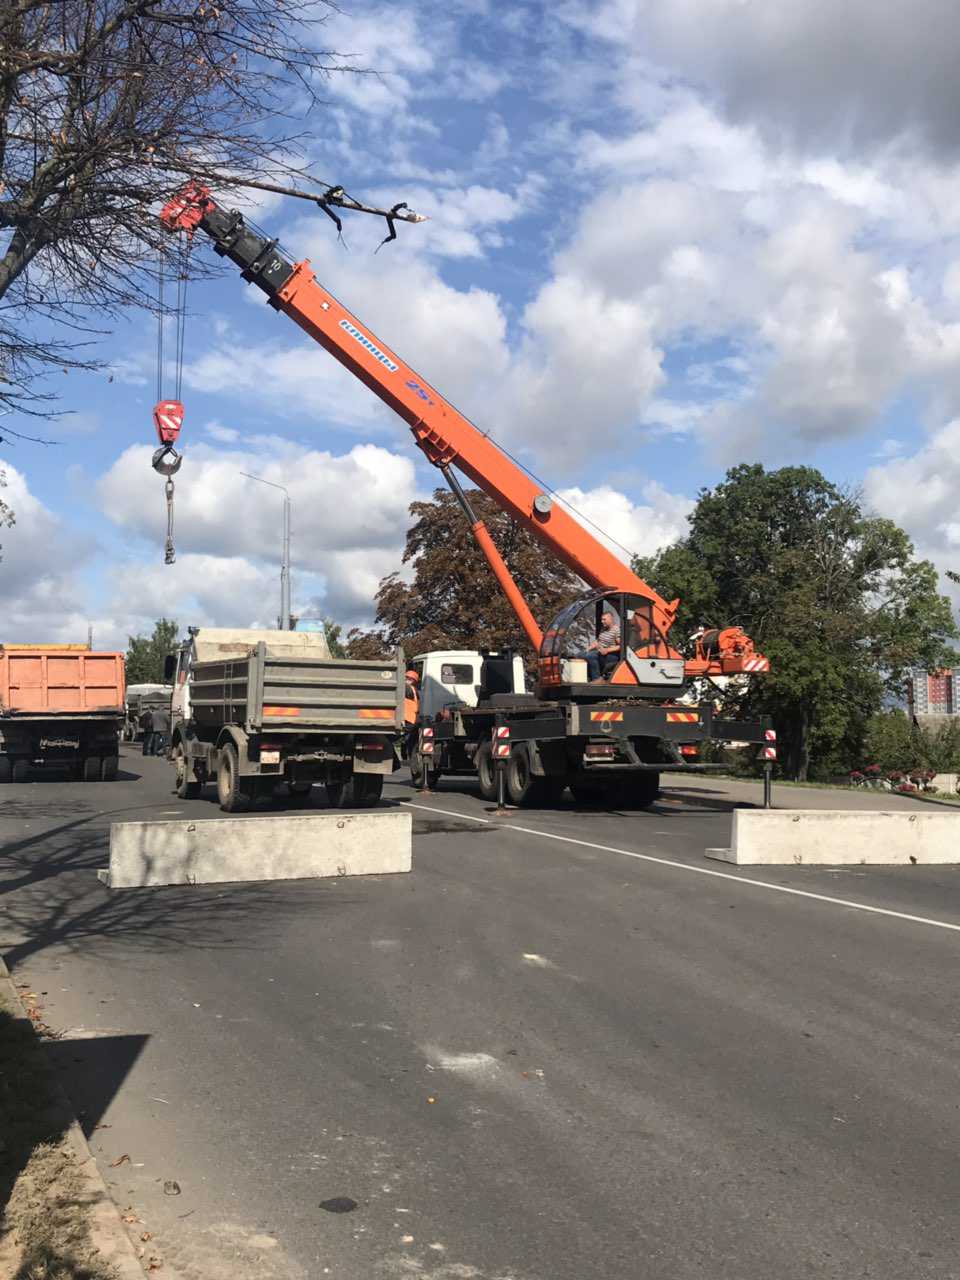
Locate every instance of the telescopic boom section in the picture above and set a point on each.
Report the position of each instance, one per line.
(442, 432)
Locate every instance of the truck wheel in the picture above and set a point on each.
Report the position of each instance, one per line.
(6, 769)
(109, 768)
(357, 792)
(486, 771)
(417, 773)
(90, 771)
(232, 798)
(185, 785)
(523, 786)
(21, 771)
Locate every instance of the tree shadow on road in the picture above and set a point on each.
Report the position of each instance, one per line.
(52, 898)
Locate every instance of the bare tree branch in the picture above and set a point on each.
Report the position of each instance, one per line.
(107, 107)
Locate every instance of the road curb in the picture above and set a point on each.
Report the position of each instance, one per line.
(107, 1232)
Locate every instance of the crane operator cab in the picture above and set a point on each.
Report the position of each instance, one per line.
(630, 653)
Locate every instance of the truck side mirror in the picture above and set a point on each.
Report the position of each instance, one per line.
(169, 668)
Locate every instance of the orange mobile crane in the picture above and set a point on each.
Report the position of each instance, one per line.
(601, 737)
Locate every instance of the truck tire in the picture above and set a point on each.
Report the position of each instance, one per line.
(109, 768)
(232, 798)
(486, 771)
(185, 785)
(359, 791)
(20, 771)
(523, 786)
(417, 772)
(90, 769)
(6, 769)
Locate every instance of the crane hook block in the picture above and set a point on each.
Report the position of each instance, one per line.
(168, 419)
(166, 460)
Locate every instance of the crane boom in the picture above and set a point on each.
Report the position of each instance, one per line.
(446, 436)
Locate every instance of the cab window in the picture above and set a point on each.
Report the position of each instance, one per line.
(452, 673)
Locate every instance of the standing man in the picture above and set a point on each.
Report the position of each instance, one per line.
(161, 731)
(146, 724)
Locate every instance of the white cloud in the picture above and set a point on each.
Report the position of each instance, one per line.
(349, 519)
(43, 599)
(920, 493)
(629, 528)
(822, 74)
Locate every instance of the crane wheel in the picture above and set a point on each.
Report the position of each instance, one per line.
(109, 768)
(6, 769)
(486, 771)
(523, 785)
(90, 769)
(21, 771)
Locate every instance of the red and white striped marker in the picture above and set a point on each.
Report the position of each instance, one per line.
(770, 735)
(502, 731)
(501, 750)
(168, 419)
(768, 753)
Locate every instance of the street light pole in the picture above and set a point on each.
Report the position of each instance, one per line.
(285, 620)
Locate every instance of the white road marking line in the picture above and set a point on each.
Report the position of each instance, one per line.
(702, 871)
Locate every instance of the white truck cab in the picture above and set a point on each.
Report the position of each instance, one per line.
(450, 676)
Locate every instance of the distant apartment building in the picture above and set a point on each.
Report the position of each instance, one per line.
(933, 694)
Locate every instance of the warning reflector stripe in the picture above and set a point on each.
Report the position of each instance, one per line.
(683, 717)
(768, 753)
(770, 735)
(501, 750)
(375, 713)
(502, 731)
(428, 733)
(605, 716)
(281, 711)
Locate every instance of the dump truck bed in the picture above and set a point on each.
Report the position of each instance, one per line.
(279, 693)
(55, 680)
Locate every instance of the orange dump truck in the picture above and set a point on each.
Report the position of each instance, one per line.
(60, 704)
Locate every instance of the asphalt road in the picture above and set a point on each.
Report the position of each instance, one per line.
(556, 1050)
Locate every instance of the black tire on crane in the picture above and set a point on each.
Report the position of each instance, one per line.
(6, 769)
(109, 768)
(523, 785)
(486, 771)
(90, 769)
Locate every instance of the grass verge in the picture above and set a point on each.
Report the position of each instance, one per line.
(44, 1201)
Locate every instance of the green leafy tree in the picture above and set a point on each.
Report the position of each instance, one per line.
(333, 630)
(453, 600)
(145, 654)
(834, 598)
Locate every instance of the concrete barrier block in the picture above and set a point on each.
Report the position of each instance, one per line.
(825, 837)
(284, 847)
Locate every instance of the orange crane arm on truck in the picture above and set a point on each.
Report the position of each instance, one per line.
(444, 434)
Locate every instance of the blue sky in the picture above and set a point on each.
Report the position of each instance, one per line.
(665, 236)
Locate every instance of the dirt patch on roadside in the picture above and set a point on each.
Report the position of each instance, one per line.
(44, 1200)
